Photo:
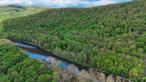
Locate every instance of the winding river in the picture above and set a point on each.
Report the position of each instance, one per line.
(38, 53)
(78, 70)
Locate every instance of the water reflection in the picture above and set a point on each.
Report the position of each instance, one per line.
(75, 69)
(36, 56)
(48, 59)
(23, 45)
(53, 61)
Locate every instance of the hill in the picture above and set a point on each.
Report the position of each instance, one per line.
(110, 38)
(13, 11)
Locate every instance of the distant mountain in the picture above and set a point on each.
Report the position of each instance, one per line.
(12, 6)
(12, 11)
(15, 6)
(65, 3)
(110, 38)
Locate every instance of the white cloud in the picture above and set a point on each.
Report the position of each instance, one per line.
(60, 3)
(102, 2)
(5, 2)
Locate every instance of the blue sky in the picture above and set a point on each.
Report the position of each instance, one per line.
(62, 3)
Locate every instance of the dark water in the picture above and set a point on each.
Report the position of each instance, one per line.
(38, 53)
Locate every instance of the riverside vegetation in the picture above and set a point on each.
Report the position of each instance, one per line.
(16, 67)
(109, 38)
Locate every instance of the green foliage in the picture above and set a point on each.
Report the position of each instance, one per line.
(111, 38)
(12, 11)
(16, 67)
(43, 78)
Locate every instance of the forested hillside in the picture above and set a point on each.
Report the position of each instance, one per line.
(110, 38)
(16, 67)
(13, 11)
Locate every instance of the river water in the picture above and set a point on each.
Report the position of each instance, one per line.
(62, 64)
(39, 54)
(76, 69)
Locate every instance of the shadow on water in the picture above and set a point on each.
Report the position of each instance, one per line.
(14, 29)
(36, 52)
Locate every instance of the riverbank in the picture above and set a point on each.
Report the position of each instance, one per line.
(15, 66)
(61, 65)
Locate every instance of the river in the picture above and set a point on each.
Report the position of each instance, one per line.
(82, 72)
(38, 53)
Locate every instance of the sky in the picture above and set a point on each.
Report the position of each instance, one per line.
(62, 3)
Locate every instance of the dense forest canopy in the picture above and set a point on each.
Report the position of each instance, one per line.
(16, 67)
(110, 38)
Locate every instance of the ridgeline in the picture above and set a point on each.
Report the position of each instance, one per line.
(110, 38)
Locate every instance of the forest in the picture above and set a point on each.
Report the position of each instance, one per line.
(16, 67)
(109, 38)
